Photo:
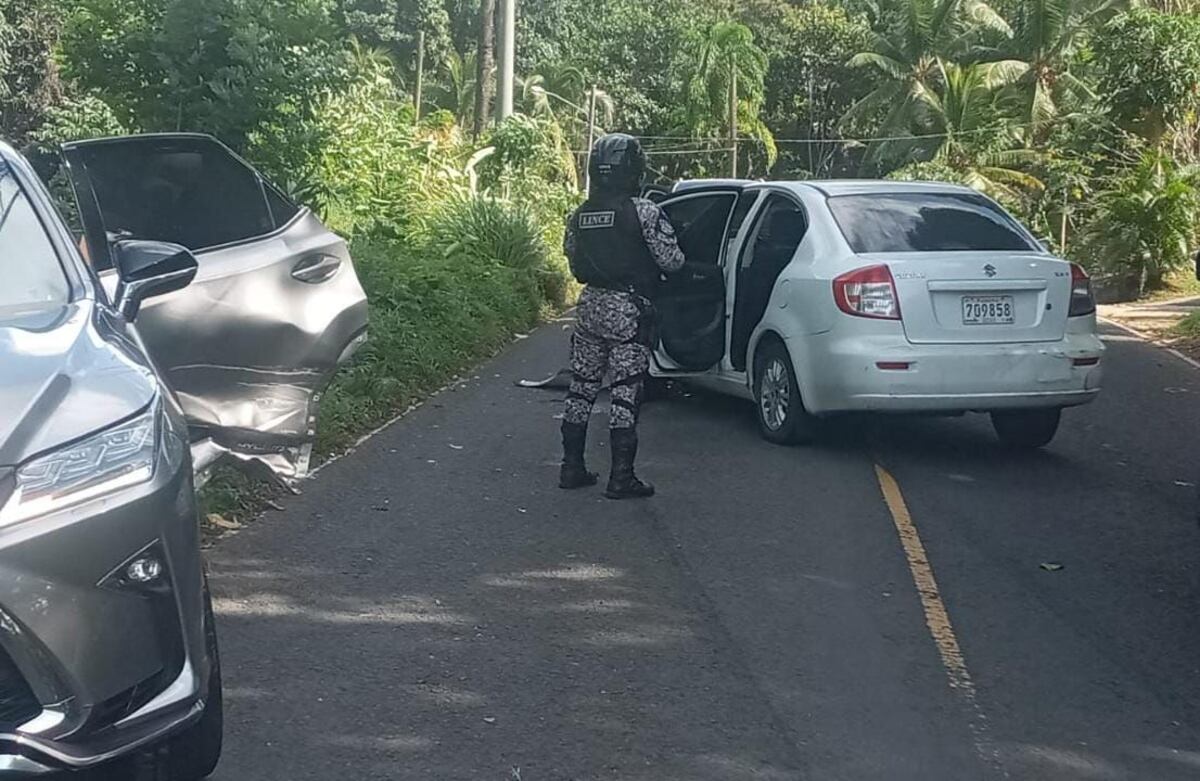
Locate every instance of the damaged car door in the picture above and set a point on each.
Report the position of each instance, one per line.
(276, 305)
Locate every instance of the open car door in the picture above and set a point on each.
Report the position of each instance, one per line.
(276, 305)
(691, 302)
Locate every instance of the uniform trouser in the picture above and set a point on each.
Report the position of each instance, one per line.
(607, 340)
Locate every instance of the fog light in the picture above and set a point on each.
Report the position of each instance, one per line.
(144, 570)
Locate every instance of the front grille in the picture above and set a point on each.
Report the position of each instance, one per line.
(17, 703)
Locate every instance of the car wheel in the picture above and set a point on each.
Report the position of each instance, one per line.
(782, 418)
(193, 753)
(1026, 429)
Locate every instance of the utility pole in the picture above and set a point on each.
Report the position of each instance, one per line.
(508, 56)
(733, 128)
(1062, 244)
(812, 130)
(420, 73)
(485, 64)
(591, 133)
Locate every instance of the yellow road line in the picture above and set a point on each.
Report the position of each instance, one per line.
(936, 617)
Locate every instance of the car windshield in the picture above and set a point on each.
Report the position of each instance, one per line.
(33, 276)
(926, 222)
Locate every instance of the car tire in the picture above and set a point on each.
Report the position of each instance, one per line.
(193, 754)
(1026, 429)
(782, 418)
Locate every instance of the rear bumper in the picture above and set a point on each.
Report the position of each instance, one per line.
(845, 376)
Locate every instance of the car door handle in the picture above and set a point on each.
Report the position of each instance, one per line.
(316, 268)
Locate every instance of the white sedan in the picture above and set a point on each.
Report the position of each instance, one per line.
(818, 298)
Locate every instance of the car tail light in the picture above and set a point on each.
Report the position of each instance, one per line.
(868, 292)
(1082, 301)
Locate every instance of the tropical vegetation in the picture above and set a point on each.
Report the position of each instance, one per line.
(1082, 116)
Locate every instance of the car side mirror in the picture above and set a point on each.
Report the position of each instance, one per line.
(147, 269)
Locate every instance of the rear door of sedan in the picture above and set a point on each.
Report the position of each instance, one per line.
(275, 307)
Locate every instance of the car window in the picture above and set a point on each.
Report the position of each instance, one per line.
(745, 203)
(34, 280)
(926, 222)
(777, 234)
(282, 207)
(699, 222)
(186, 191)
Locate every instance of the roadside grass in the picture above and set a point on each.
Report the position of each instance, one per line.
(480, 273)
(1181, 284)
(1188, 327)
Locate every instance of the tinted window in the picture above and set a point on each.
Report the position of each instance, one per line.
(779, 231)
(33, 277)
(699, 223)
(690, 213)
(917, 222)
(745, 203)
(282, 208)
(187, 191)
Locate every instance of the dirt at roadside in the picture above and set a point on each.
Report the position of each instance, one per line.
(1158, 321)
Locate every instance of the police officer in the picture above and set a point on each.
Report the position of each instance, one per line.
(618, 245)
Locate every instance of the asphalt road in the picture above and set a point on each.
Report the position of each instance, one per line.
(433, 607)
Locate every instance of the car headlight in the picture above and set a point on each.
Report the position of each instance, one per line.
(117, 457)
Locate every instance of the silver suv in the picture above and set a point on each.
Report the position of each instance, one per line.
(107, 640)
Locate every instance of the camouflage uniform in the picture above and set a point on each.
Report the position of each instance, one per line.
(611, 332)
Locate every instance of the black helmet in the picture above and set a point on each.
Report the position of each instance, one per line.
(618, 164)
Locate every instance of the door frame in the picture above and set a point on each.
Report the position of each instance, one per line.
(656, 353)
(752, 222)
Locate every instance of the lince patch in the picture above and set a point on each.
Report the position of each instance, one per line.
(592, 220)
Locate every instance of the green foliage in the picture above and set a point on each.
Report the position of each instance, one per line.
(1048, 36)
(436, 309)
(1188, 327)
(808, 86)
(29, 82)
(910, 60)
(634, 49)
(725, 88)
(1147, 221)
(529, 150)
(1149, 66)
(78, 119)
(395, 24)
(220, 66)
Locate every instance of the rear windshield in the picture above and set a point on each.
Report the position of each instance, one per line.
(926, 222)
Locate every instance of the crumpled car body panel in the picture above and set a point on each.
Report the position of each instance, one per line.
(248, 348)
(251, 344)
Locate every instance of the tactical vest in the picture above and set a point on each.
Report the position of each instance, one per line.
(610, 249)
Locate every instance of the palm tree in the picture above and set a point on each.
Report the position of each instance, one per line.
(561, 92)
(1047, 33)
(455, 92)
(727, 82)
(485, 64)
(963, 120)
(908, 58)
(1146, 224)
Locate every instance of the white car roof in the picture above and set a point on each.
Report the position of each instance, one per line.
(835, 187)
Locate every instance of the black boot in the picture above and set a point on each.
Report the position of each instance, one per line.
(623, 484)
(574, 473)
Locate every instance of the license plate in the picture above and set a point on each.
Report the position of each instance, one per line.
(987, 310)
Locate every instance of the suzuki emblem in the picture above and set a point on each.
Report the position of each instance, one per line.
(990, 270)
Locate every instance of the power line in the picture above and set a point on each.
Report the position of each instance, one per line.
(875, 140)
(660, 152)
